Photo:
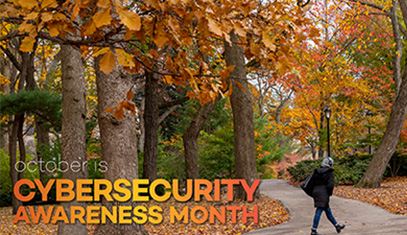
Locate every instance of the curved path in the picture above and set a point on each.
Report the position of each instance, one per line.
(360, 218)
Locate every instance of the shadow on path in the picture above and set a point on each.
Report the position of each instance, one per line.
(360, 218)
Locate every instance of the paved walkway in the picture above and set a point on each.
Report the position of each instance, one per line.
(360, 218)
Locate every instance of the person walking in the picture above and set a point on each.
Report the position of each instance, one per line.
(323, 188)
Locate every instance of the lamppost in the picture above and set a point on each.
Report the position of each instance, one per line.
(328, 116)
(369, 114)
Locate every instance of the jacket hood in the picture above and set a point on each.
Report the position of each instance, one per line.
(327, 162)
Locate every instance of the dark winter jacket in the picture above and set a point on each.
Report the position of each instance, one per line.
(324, 186)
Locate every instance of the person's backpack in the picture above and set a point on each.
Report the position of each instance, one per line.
(308, 185)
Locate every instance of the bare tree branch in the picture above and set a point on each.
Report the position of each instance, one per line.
(12, 58)
(173, 103)
(168, 112)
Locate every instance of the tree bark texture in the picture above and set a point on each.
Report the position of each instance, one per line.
(21, 145)
(190, 139)
(118, 142)
(5, 70)
(142, 134)
(28, 69)
(243, 120)
(73, 128)
(13, 157)
(151, 125)
(42, 131)
(399, 47)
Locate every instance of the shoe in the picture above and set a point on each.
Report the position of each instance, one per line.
(314, 232)
(339, 227)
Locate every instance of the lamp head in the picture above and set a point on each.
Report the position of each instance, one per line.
(327, 112)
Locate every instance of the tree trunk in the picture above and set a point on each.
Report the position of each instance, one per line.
(374, 173)
(398, 46)
(28, 69)
(42, 143)
(190, 139)
(41, 128)
(313, 150)
(142, 130)
(73, 127)
(13, 157)
(118, 141)
(21, 146)
(27, 75)
(151, 125)
(5, 70)
(243, 121)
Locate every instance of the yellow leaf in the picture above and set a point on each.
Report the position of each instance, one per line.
(4, 80)
(268, 42)
(31, 16)
(214, 27)
(124, 58)
(168, 79)
(101, 51)
(107, 62)
(239, 30)
(102, 18)
(54, 28)
(75, 11)
(109, 110)
(240, 85)
(225, 73)
(46, 16)
(130, 19)
(169, 63)
(59, 16)
(152, 3)
(130, 106)
(227, 38)
(254, 48)
(89, 28)
(314, 32)
(53, 32)
(27, 44)
(118, 114)
(26, 27)
(28, 4)
(154, 53)
(103, 3)
(160, 40)
(129, 34)
(129, 95)
(49, 3)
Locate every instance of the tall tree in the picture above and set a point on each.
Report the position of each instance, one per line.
(5, 73)
(243, 120)
(151, 125)
(190, 139)
(26, 80)
(118, 140)
(13, 157)
(73, 127)
(374, 173)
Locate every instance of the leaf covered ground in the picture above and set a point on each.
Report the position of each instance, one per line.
(391, 196)
(271, 212)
